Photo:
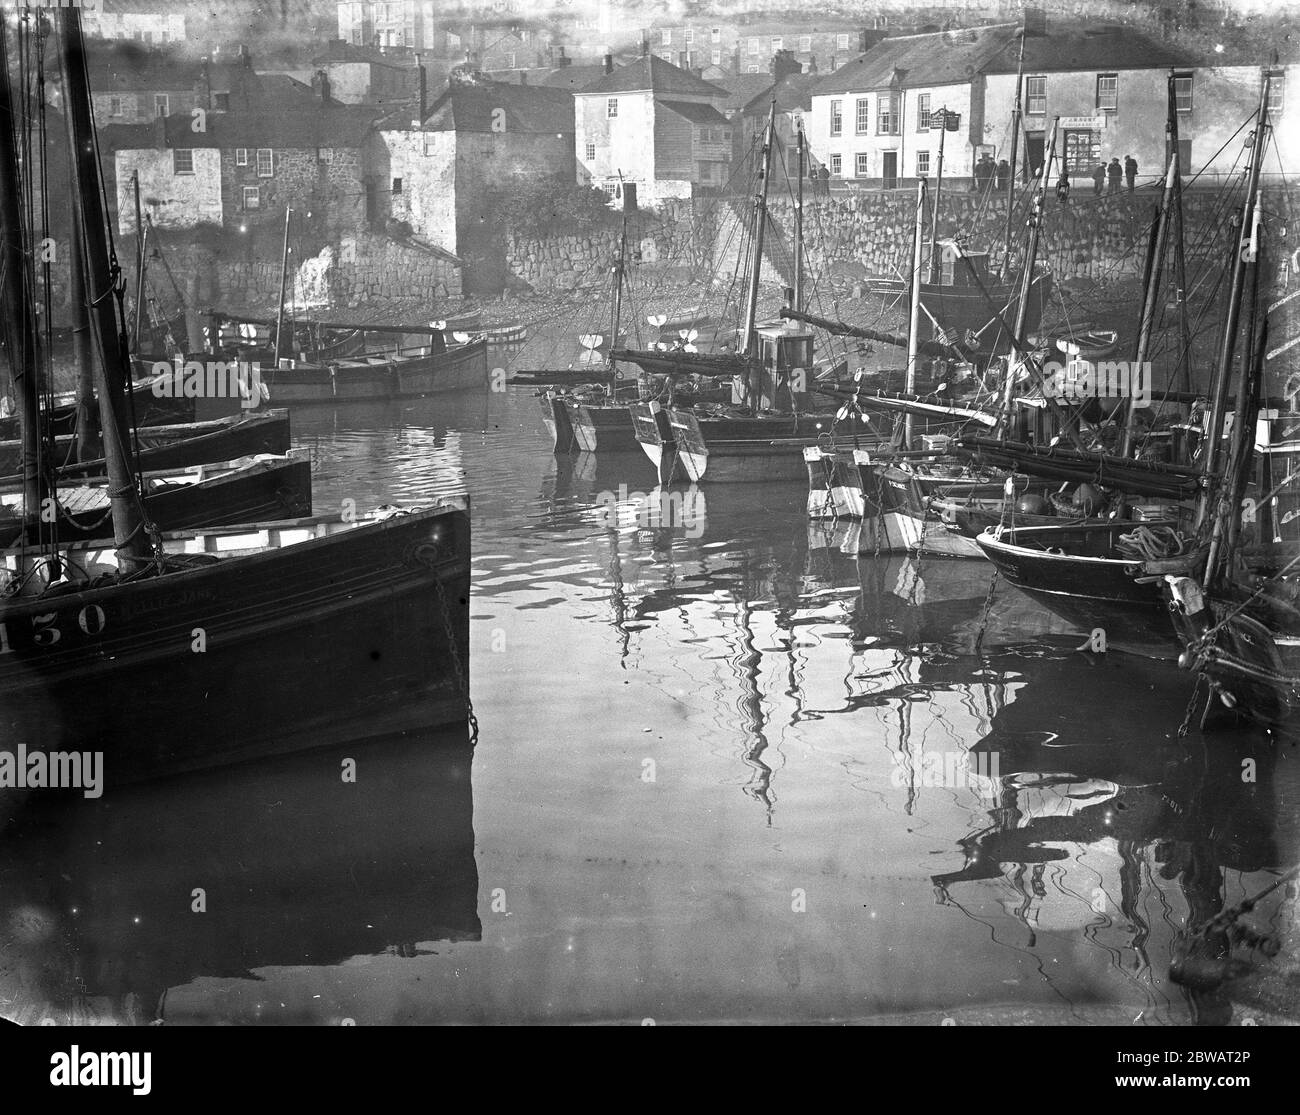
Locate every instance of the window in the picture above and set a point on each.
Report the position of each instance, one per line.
(716, 58)
(1082, 151)
(252, 197)
(397, 185)
(1276, 91)
(861, 165)
(182, 161)
(115, 106)
(325, 154)
(666, 36)
(1108, 92)
(715, 36)
(1183, 92)
(265, 162)
(837, 117)
(777, 43)
(753, 46)
(753, 68)
(241, 156)
(922, 163)
(591, 152)
(690, 36)
(922, 113)
(356, 36)
(1035, 96)
(805, 44)
(221, 102)
(841, 42)
(862, 123)
(611, 108)
(161, 104)
(836, 163)
(887, 119)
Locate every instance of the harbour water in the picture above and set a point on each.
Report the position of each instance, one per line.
(724, 772)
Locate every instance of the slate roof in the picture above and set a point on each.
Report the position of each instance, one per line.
(652, 74)
(696, 113)
(471, 107)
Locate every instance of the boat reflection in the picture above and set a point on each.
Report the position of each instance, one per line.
(109, 905)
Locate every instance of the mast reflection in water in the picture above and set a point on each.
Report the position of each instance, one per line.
(725, 771)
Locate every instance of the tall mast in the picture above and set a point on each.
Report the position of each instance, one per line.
(618, 284)
(760, 226)
(914, 319)
(938, 188)
(1180, 257)
(284, 282)
(1150, 297)
(141, 246)
(19, 324)
(89, 444)
(798, 223)
(88, 212)
(1027, 280)
(1015, 143)
(1243, 257)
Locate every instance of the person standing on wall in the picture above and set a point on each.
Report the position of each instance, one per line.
(1003, 176)
(1098, 179)
(1130, 171)
(1114, 172)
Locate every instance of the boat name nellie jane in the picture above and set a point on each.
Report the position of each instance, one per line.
(52, 770)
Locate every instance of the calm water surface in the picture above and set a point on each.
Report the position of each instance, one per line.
(725, 772)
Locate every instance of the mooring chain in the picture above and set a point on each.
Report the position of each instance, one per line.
(462, 681)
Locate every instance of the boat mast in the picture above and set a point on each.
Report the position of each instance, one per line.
(760, 226)
(914, 319)
(1026, 282)
(938, 191)
(88, 212)
(284, 282)
(1180, 257)
(618, 284)
(1150, 297)
(798, 223)
(1243, 257)
(20, 327)
(141, 243)
(1015, 143)
(88, 442)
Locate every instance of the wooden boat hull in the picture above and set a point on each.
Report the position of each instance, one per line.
(175, 447)
(148, 408)
(294, 639)
(556, 417)
(258, 491)
(601, 429)
(1085, 582)
(371, 378)
(731, 450)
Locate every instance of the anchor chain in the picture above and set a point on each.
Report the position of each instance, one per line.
(462, 682)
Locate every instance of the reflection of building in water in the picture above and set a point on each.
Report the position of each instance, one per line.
(106, 909)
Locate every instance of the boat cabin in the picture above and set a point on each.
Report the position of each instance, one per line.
(949, 270)
(780, 383)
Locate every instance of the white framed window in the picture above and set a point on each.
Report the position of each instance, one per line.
(115, 106)
(1183, 92)
(265, 162)
(182, 160)
(888, 117)
(241, 156)
(1036, 95)
(325, 154)
(777, 43)
(666, 36)
(837, 163)
(715, 36)
(922, 164)
(837, 117)
(715, 57)
(753, 46)
(753, 68)
(841, 42)
(591, 152)
(611, 108)
(252, 197)
(922, 113)
(1108, 92)
(161, 104)
(862, 119)
(510, 60)
(862, 165)
(690, 36)
(805, 44)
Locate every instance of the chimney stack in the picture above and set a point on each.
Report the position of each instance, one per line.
(609, 63)
(321, 83)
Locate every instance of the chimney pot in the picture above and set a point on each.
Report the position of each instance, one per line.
(609, 63)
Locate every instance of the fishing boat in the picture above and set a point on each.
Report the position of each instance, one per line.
(167, 651)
